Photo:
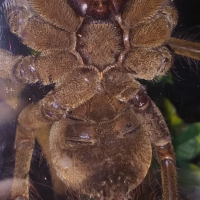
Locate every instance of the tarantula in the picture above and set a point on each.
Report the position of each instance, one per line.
(103, 123)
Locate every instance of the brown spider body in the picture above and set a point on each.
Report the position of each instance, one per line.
(103, 122)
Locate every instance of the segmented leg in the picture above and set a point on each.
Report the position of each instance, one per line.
(155, 125)
(168, 171)
(48, 110)
(48, 69)
(57, 12)
(78, 88)
(147, 26)
(7, 63)
(148, 63)
(24, 21)
(154, 32)
(119, 84)
(9, 92)
(24, 145)
(9, 89)
(138, 11)
(185, 48)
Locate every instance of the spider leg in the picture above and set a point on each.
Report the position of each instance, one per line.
(47, 111)
(24, 145)
(148, 63)
(185, 48)
(168, 171)
(48, 69)
(120, 84)
(77, 88)
(156, 127)
(147, 30)
(140, 10)
(34, 31)
(154, 32)
(15, 71)
(9, 89)
(7, 63)
(58, 13)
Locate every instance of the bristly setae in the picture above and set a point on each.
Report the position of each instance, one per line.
(103, 123)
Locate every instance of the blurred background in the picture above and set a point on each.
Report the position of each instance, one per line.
(177, 95)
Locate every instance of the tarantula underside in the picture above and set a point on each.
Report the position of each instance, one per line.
(103, 122)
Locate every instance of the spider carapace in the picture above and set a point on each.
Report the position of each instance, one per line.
(103, 123)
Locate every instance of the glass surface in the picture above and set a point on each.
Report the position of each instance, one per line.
(177, 95)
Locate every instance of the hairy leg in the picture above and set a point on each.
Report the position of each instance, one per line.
(48, 69)
(24, 21)
(147, 26)
(185, 48)
(24, 145)
(47, 111)
(58, 13)
(156, 127)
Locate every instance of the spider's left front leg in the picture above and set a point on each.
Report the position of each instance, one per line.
(154, 123)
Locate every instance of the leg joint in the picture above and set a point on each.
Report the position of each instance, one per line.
(165, 152)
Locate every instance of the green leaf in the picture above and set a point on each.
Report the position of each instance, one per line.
(171, 115)
(187, 143)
